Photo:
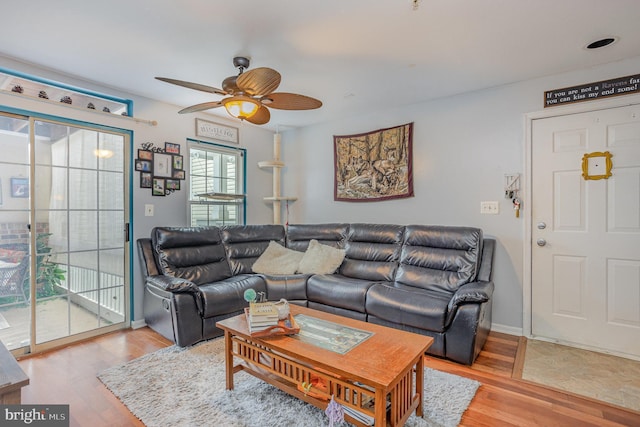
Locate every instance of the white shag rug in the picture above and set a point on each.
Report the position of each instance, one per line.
(186, 387)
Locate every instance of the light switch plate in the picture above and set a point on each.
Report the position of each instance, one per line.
(148, 210)
(490, 208)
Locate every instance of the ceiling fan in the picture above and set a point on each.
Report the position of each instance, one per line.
(250, 93)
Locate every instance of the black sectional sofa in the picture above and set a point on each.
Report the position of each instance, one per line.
(431, 280)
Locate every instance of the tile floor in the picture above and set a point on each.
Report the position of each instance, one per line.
(600, 376)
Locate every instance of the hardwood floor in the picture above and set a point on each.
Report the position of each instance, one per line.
(68, 376)
(504, 401)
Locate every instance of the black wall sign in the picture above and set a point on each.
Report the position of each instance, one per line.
(592, 91)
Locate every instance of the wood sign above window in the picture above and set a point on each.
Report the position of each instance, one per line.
(216, 131)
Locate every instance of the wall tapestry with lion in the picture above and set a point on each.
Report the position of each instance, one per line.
(374, 166)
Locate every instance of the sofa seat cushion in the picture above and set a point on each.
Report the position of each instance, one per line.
(291, 287)
(338, 291)
(417, 308)
(227, 296)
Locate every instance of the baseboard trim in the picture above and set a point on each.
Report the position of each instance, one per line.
(137, 324)
(510, 330)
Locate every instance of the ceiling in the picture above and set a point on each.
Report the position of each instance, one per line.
(356, 56)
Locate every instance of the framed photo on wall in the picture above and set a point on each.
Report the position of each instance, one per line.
(158, 187)
(172, 184)
(146, 180)
(162, 164)
(177, 163)
(143, 165)
(145, 154)
(20, 187)
(171, 148)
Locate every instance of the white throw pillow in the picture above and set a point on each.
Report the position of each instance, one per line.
(321, 259)
(277, 260)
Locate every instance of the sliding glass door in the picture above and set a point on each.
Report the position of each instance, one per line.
(68, 199)
(15, 260)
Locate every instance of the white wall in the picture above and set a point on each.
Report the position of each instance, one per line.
(462, 147)
(172, 127)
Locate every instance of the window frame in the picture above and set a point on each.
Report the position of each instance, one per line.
(241, 177)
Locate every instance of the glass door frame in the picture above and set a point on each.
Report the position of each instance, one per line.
(32, 117)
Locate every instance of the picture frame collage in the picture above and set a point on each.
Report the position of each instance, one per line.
(161, 169)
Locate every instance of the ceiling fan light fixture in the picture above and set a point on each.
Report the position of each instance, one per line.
(241, 107)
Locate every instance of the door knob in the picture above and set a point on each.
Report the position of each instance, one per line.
(542, 226)
(541, 242)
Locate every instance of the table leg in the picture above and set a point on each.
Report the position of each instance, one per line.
(228, 359)
(420, 384)
(380, 408)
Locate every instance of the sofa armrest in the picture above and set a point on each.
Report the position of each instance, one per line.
(176, 285)
(468, 315)
(172, 284)
(473, 292)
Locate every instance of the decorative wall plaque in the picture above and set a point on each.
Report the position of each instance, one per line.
(216, 131)
(591, 91)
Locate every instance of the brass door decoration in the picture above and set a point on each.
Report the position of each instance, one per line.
(597, 165)
(374, 166)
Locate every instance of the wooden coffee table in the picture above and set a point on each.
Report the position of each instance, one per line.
(378, 369)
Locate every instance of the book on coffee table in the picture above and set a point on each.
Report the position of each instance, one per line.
(262, 310)
(268, 328)
(262, 315)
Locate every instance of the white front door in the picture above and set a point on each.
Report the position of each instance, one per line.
(586, 233)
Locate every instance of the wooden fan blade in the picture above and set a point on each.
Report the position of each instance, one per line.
(261, 117)
(291, 101)
(259, 81)
(201, 107)
(191, 85)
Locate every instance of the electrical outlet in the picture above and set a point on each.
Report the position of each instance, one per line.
(489, 208)
(148, 210)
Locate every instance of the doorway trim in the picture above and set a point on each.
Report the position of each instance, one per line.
(527, 274)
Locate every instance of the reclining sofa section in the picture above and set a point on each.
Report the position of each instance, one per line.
(431, 280)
